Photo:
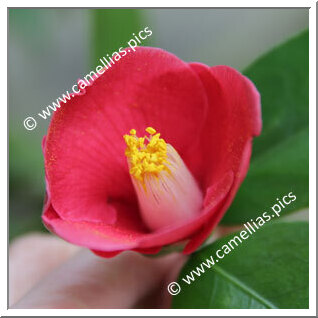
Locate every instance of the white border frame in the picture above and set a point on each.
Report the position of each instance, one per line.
(312, 164)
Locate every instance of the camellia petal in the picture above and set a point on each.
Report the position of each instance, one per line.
(233, 121)
(84, 160)
(208, 116)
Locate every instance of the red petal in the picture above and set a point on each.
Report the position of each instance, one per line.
(106, 254)
(92, 202)
(148, 251)
(101, 237)
(234, 118)
(110, 239)
(85, 164)
(84, 155)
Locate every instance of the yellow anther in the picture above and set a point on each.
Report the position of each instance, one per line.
(141, 142)
(146, 155)
(150, 130)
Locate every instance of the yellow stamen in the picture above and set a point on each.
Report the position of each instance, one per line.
(166, 190)
(150, 130)
(146, 158)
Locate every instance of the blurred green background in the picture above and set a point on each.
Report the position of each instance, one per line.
(49, 49)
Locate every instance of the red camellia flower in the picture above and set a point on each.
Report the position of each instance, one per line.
(151, 154)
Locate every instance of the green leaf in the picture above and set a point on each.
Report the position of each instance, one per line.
(267, 270)
(280, 159)
(26, 183)
(113, 28)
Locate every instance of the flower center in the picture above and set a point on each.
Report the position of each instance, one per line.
(167, 193)
(147, 155)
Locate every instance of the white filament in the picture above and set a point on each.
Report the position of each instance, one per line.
(171, 198)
